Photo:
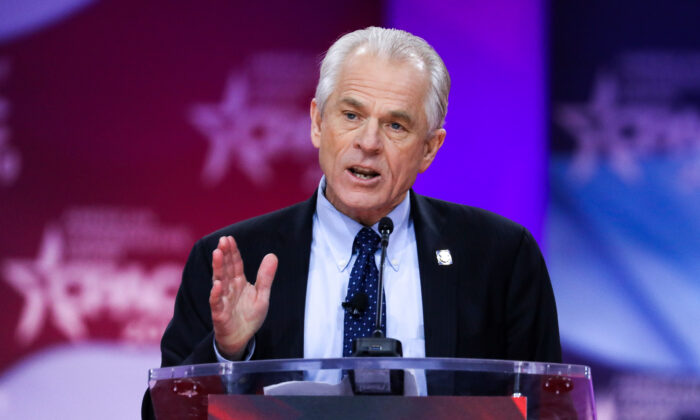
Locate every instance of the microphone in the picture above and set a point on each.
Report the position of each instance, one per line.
(386, 226)
(357, 304)
(378, 381)
(377, 345)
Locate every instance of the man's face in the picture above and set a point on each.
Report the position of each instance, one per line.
(373, 135)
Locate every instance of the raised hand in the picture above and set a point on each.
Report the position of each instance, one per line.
(238, 308)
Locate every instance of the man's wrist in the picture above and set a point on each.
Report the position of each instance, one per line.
(245, 353)
(233, 356)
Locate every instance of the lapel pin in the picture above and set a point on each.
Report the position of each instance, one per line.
(444, 257)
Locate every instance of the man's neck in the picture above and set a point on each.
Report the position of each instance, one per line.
(366, 218)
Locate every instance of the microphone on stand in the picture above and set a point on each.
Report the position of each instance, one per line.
(386, 226)
(378, 345)
(380, 381)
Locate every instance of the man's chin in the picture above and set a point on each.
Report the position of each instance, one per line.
(360, 209)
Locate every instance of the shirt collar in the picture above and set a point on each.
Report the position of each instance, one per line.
(341, 230)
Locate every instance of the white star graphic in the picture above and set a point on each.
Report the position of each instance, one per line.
(42, 289)
(621, 135)
(599, 129)
(249, 135)
(68, 293)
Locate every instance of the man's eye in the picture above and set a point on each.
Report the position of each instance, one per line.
(396, 126)
(350, 116)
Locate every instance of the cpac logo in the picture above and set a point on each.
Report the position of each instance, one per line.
(69, 293)
(624, 134)
(10, 162)
(249, 135)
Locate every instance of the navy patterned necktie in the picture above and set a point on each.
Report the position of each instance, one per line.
(363, 279)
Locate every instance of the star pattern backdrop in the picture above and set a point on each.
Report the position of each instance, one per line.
(129, 129)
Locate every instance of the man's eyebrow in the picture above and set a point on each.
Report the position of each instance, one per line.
(402, 115)
(352, 102)
(397, 115)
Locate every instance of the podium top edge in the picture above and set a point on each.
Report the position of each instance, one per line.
(428, 363)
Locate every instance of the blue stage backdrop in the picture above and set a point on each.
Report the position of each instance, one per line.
(623, 226)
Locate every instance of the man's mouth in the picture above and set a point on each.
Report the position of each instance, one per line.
(363, 173)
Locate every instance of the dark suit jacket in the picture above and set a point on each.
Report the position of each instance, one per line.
(495, 301)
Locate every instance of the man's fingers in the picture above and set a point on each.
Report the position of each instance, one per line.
(215, 298)
(232, 262)
(266, 274)
(228, 250)
(217, 263)
(221, 265)
(236, 260)
(227, 263)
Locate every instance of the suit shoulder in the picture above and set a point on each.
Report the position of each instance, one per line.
(473, 220)
(263, 225)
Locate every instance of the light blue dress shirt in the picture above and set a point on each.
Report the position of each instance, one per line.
(329, 273)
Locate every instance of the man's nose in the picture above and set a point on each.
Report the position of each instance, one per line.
(369, 138)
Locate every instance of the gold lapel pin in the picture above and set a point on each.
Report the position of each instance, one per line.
(443, 257)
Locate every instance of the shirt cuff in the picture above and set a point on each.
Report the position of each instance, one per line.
(247, 354)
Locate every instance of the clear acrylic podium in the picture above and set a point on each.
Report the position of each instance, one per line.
(429, 388)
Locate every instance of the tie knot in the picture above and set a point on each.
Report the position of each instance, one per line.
(366, 241)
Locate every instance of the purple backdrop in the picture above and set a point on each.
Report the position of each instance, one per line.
(494, 155)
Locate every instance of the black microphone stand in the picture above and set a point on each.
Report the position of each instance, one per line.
(382, 382)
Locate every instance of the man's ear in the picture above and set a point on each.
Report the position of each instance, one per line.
(315, 114)
(432, 145)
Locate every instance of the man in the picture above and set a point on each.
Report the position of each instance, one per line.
(460, 282)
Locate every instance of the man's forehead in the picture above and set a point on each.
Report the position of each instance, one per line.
(384, 73)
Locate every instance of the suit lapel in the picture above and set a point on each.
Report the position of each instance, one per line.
(288, 297)
(438, 282)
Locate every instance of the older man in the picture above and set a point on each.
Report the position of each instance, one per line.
(460, 282)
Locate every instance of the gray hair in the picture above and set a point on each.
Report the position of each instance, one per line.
(395, 44)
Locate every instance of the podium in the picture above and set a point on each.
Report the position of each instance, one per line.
(366, 388)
